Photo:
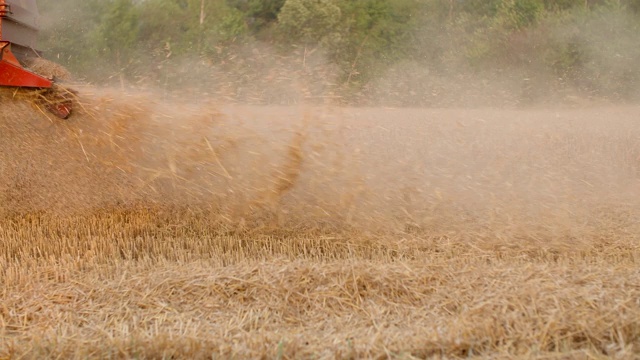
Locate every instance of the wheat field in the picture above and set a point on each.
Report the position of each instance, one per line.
(156, 229)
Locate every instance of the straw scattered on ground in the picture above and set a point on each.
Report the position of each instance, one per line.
(143, 228)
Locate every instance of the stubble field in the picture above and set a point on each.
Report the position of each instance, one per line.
(142, 228)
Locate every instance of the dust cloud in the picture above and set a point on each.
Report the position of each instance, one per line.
(577, 58)
(273, 142)
(250, 208)
(540, 174)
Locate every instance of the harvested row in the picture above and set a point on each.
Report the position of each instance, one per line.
(456, 305)
(140, 228)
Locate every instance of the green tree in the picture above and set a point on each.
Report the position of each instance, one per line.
(362, 37)
(67, 30)
(311, 22)
(188, 26)
(259, 13)
(117, 33)
(517, 14)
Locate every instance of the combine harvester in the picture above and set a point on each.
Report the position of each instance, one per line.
(18, 35)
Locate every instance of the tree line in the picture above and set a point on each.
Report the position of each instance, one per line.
(591, 45)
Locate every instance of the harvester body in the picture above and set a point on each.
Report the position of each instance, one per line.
(22, 24)
(18, 36)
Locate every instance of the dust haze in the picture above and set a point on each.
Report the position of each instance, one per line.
(262, 134)
(544, 173)
(431, 190)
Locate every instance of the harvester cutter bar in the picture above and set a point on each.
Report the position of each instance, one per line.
(23, 30)
(13, 74)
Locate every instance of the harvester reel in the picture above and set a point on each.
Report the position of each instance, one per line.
(57, 100)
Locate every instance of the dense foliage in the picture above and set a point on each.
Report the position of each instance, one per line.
(588, 45)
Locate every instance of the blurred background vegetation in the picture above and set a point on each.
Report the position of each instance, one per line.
(395, 52)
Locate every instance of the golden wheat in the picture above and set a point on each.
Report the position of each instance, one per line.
(142, 229)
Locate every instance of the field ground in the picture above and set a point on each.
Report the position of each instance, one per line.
(294, 233)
